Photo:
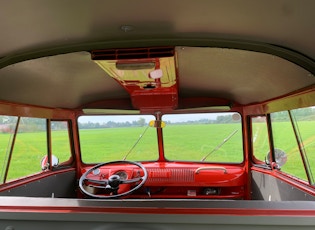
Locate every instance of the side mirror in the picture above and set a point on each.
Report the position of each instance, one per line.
(280, 157)
(44, 162)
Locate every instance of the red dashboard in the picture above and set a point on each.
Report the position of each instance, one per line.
(177, 180)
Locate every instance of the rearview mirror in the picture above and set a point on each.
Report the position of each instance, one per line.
(157, 124)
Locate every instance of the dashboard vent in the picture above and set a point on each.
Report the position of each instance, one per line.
(136, 53)
(171, 175)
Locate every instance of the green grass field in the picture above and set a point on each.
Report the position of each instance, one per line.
(194, 142)
(182, 142)
(285, 140)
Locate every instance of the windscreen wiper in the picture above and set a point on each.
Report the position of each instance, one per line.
(135, 144)
(219, 146)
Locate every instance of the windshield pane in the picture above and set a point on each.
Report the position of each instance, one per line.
(209, 137)
(110, 138)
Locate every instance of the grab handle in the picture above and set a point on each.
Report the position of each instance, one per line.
(211, 168)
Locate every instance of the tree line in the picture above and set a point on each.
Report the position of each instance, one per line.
(142, 122)
(8, 122)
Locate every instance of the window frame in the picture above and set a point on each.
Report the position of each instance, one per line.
(299, 144)
(16, 132)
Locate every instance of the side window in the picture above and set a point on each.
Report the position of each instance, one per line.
(22, 154)
(60, 142)
(29, 148)
(304, 123)
(285, 141)
(293, 135)
(260, 140)
(7, 126)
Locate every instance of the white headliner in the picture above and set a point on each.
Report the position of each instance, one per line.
(36, 29)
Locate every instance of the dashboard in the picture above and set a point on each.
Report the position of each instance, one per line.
(170, 180)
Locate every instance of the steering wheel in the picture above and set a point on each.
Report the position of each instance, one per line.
(111, 184)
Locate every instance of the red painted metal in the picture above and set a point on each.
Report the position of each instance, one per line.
(155, 99)
(177, 179)
(251, 212)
